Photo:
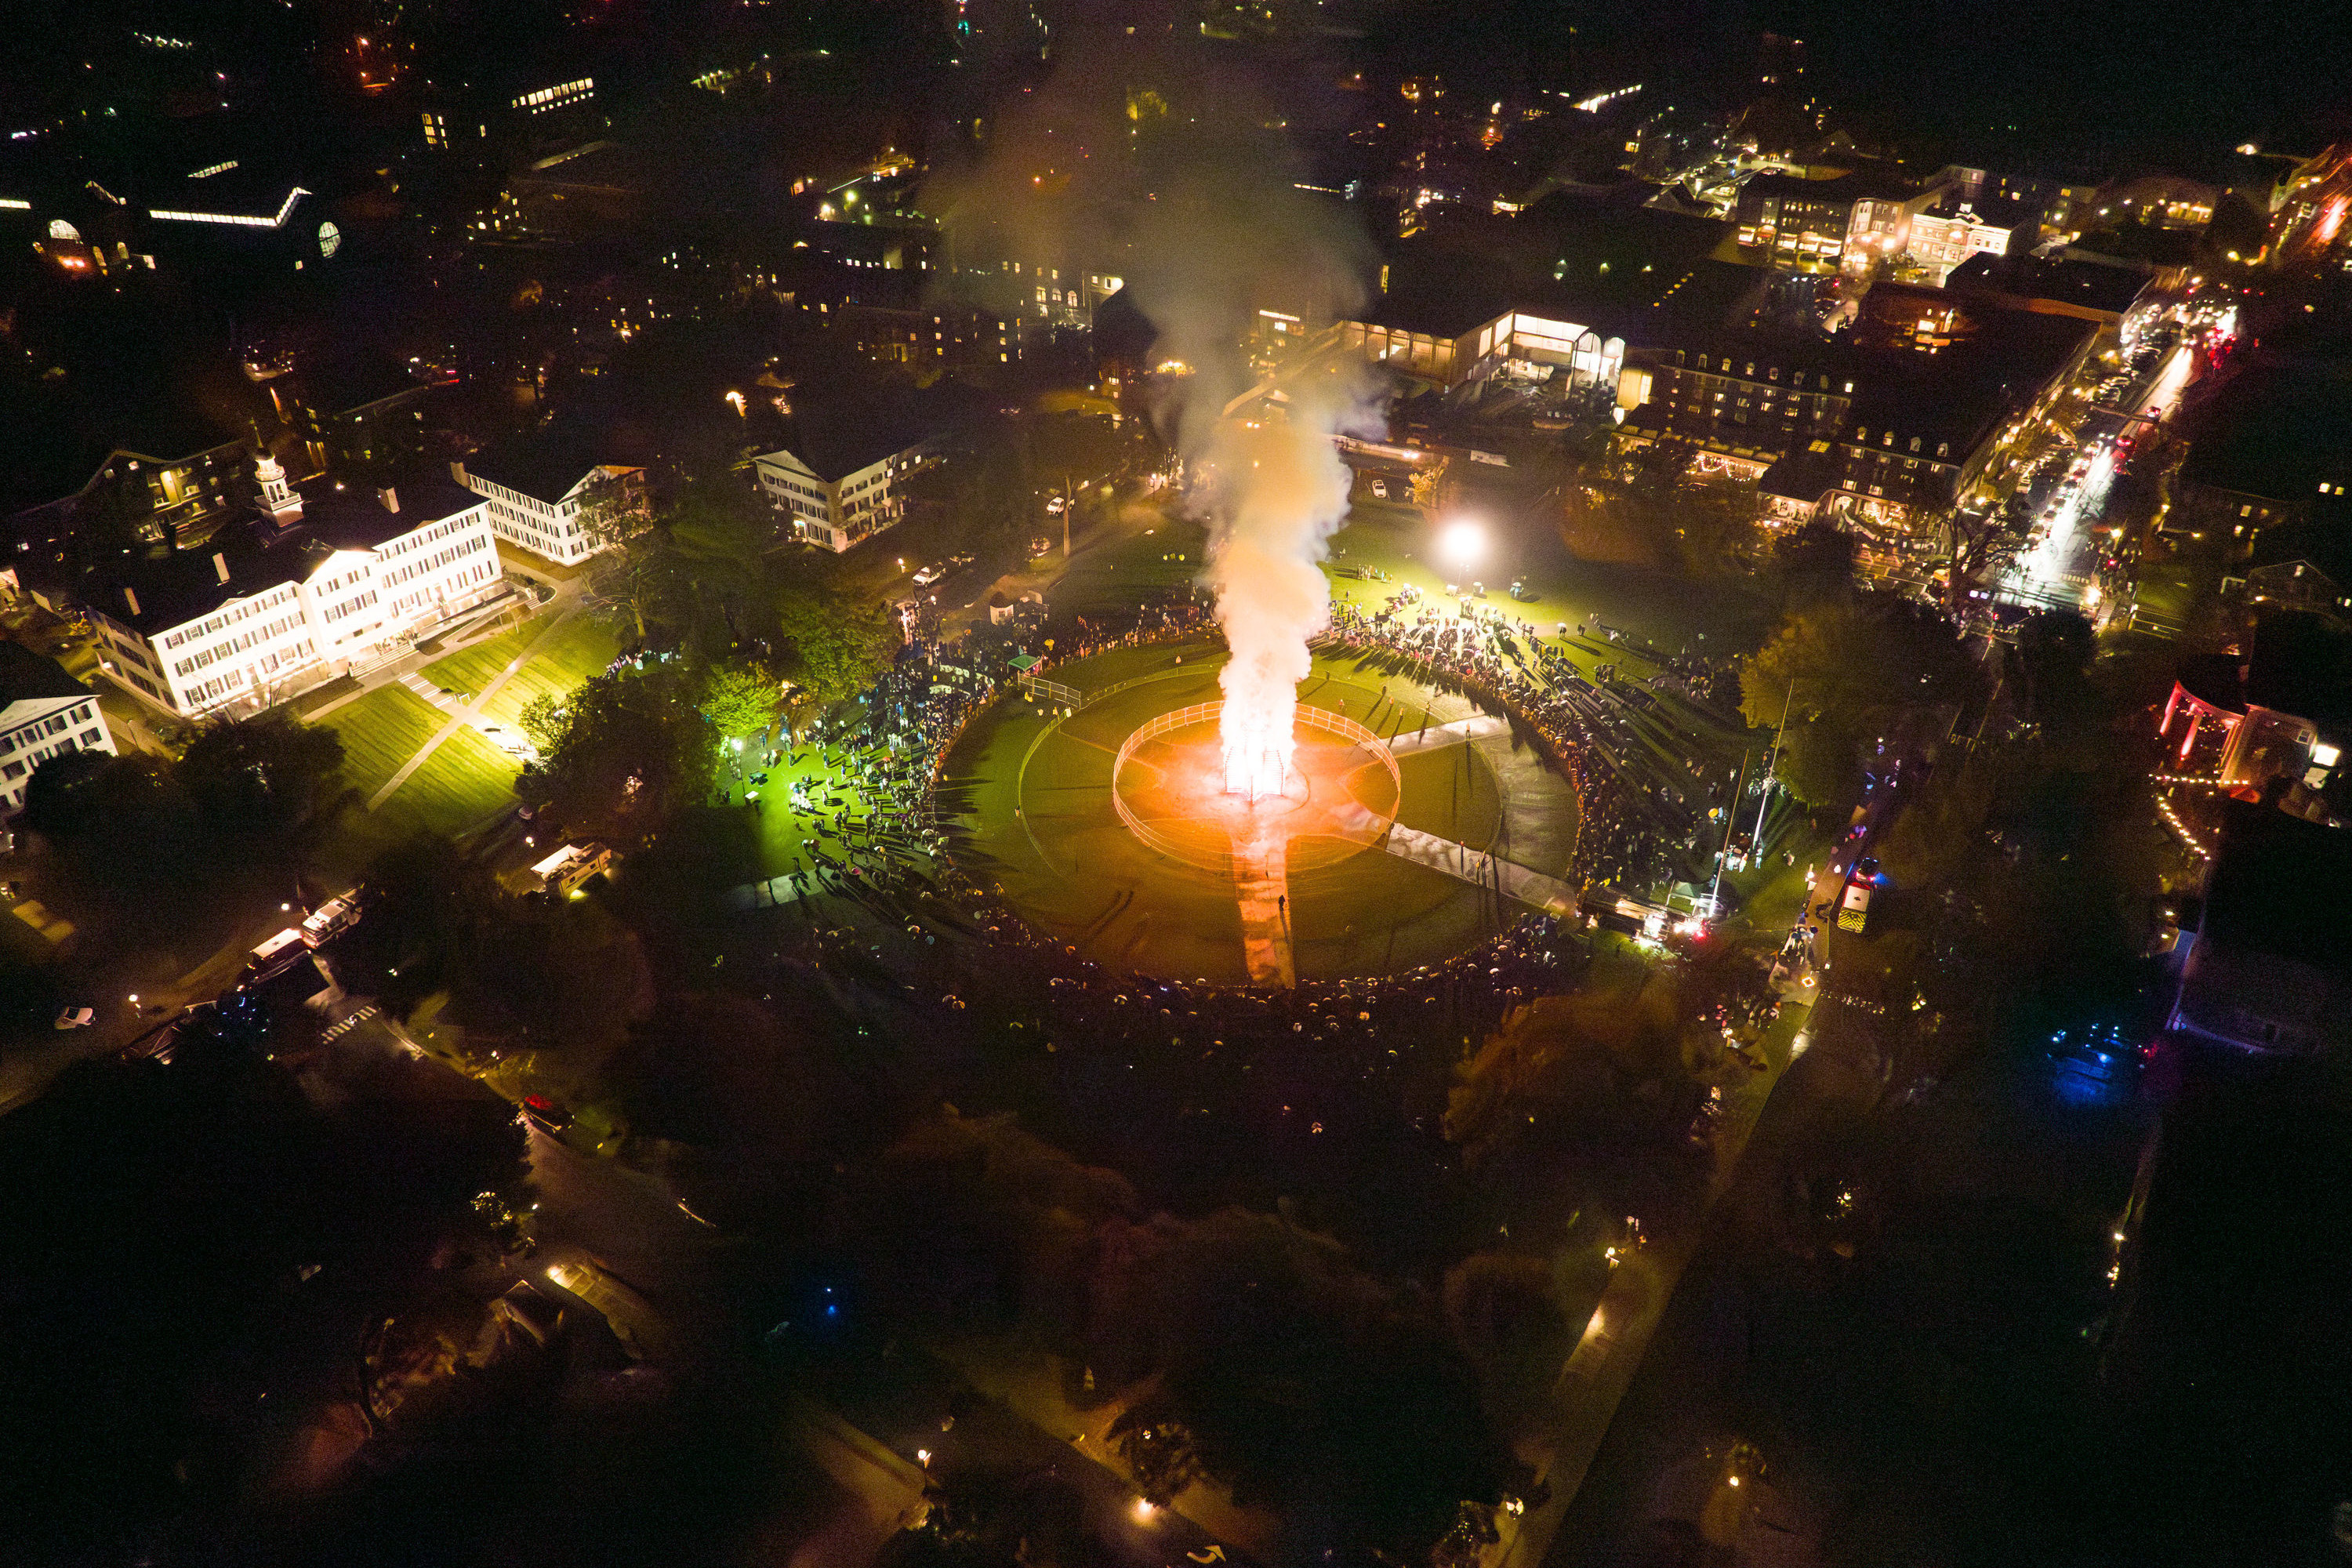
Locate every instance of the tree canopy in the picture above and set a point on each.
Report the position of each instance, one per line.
(840, 642)
(1848, 672)
(631, 749)
(741, 699)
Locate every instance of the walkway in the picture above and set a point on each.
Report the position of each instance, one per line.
(471, 712)
(1533, 888)
(1478, 726)
(1260, 879)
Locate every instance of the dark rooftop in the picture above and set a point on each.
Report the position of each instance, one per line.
(182, 586)
(544, 464)
(840, 435)
(1860, 186)
(356, 518)
(337, 384)
(2300, 663)
(2276, 886)
(2082, 285)
(26, 676)
(2275, 432)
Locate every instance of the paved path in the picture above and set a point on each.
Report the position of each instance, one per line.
(1477, 727)
(471, 712)
(1534, 889)
(1261, 877)
(485, 625)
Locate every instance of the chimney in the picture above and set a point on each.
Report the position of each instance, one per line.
(220, 565)
(130, 597)
(390, 497)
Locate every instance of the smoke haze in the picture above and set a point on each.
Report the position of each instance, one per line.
(1197, 209)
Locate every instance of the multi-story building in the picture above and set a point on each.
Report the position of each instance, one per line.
(1824, 224)
(177, 480)
(1466, 339)
(1946, 235)
(2269, 455)
(361, 414)
(548, 495)
(844, 479)
(43, 714)
(1940, 384)
(1744, 399)
(330, 584)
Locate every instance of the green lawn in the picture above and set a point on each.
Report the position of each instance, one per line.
(581, 647)
(380, 732)
(1665, 608)
(464, 781)
(1074, 871)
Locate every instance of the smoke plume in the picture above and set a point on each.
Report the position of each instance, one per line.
(1197, 205)
(1274, 491)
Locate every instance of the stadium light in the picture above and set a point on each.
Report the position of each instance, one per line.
(1463, 543)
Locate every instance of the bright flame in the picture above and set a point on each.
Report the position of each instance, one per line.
(1277, 491)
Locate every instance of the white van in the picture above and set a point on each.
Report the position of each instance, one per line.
(569, 866)
(276, 956)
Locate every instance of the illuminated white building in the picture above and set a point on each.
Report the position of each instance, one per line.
(1940, 241)
(43, 714)
(341, 583)
(843, 478)
(549, 497)
(1450, 346)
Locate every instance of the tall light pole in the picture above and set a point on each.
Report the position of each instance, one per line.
(1755, 839)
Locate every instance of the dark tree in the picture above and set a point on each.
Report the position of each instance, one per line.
(633, 751)
(263, 780)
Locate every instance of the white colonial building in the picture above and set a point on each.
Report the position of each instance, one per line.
(43, 714)
(547, 497)
(845, 484)
(337, 582)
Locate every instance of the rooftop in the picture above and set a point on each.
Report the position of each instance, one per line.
(837, 436)
(26, 676)
(182, 586)
(2276, 888)
(356, 518)
(2300, 663)
(544, 464)
(2081, 285)
(2275, 432)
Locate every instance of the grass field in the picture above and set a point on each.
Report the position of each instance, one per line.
(465, 780)
(1032, 802)
(581, 647)
(380, 732)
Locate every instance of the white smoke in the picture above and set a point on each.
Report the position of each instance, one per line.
(1206, 215)
(1275, 490)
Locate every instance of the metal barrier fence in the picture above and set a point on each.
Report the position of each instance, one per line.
(1313, 718)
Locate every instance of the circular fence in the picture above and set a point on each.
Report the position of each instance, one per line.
(1196, 853)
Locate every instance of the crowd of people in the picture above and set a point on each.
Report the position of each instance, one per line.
(1644, 790)
(894, 858)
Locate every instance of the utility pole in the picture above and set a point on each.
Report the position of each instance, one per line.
(1730, 826)
(1755, 839)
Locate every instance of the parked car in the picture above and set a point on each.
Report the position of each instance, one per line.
(928, 575)
(76, 1018)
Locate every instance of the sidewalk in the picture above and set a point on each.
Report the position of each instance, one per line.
(1599, 1369)
(470, 713)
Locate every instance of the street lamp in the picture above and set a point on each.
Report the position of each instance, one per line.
(1463, 543)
